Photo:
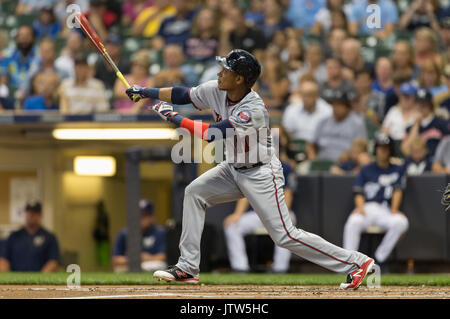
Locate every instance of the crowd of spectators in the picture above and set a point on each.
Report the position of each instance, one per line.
(334, 71)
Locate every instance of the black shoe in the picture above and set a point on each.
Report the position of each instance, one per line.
(173, 273)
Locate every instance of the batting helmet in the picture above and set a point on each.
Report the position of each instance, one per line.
(242, 63)
(382, 139)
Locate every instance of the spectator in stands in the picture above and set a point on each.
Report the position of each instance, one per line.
(244, 221)
(46, 25)
(273, 84)
(176, 29)
(323, 20)
(333, 45)
(302, 13)
(352, 58)
(418, 162)
(352, 161)
(33, 6)
(153, 253)
(362, 24)
(300, 119)
(175, 71)
(334, 134)
(430, 78)
(16, 66)
(378, 195)
(82, 94)
(103, 70)
(392, 98)
(44, 62)
(402, 115)
(383, 76)
(293, 56)
(203, 45)
(65, 62)
(442, 100)
(369, 103)
(427, 125)
(132, 8)
(441, 162)
(46, 99)
(421, 13)
(140, 64)
(101, 18)
(426, 45)
(336, 84)
(445, 33)
(273, 19)
(237, 33)
(149, 20)
(255, 13)
(403, 57)
(313, 65)
(31, 248)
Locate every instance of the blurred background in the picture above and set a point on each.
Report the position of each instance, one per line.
(63, 111)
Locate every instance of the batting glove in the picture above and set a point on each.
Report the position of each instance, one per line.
(165, 110)
(135, 93)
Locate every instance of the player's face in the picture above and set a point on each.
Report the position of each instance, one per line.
(32, 219)
(226, 79)
(382, 153)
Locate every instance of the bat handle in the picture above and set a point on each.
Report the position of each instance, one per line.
(124, 81)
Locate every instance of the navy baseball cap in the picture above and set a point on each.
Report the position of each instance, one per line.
(34, 207)
(146, 206)
(407, 88)
(423, 95)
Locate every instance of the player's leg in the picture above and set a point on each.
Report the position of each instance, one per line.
(282, 256)
(213, 187)
(354, 226)
(234, 235)
(263, 189)
(395, 226)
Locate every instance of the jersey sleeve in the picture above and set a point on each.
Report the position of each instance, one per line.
(358, 188)
(53, 249)
(246, 119)
(400, 183)
(202, 96)
(120, 245)
(160, 242)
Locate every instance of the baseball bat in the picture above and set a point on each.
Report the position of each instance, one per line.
(90, 33)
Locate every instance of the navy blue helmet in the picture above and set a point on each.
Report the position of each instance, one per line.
(242, 63)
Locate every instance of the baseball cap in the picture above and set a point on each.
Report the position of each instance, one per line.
(146, 206)
(424, 95)
(342, 96)
(407, 88)
(34, 207)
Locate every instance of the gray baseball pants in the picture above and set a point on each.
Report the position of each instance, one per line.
(263, 187)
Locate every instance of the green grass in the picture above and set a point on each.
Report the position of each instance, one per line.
(220, 279)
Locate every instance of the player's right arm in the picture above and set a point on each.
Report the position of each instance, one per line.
(241, 208)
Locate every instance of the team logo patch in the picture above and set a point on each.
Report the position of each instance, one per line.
(244, 116)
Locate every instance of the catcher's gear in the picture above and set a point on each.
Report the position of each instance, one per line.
(165, 110)
(446, 198)
(242, 63)
(135, 93)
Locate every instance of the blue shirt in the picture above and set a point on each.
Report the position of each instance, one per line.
(417, 168)
(153, 241)
(16, 67)
(27, 252)
(302, 13)
(175, 30)
(46, 30)
(37, 103)
(376, 87)
(433, 133)
(377, 184)
(361, 14)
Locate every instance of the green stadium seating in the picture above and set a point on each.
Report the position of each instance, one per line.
(320, 165)
(26, 19)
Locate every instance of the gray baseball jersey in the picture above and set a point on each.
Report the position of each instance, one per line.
(261, 185)
(249, 118)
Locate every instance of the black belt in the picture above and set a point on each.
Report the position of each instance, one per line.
(248, 167)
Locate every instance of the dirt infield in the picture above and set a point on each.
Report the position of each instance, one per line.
(222, 292)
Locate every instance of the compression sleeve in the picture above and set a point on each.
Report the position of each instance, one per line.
(205, 131)
(180, 95)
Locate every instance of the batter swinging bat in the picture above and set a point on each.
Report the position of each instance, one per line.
(89, 31)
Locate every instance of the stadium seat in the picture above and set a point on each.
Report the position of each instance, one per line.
(297, 149)
(320, 165)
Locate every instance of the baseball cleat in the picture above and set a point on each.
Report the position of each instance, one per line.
(173, 273)
(355, 279)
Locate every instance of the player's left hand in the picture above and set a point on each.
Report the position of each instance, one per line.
(165, 110)
(135, 93)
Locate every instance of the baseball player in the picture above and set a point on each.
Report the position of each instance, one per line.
(250, 170)
(379, 190)
(244, 221)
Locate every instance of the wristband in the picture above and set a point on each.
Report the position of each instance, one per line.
(151, 93)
